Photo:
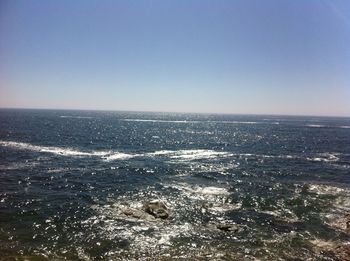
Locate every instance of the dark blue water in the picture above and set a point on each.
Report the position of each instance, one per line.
(66, 178)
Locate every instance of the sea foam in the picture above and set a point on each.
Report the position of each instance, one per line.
(53, 150)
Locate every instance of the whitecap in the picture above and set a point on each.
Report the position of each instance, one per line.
(190, 154)
(118, 156)
(315, 126)
(326, 126)
(211, 191)
(69, 152)
(199, 154)
(53, 150)
(324, 157)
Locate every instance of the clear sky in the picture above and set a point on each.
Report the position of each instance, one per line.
(248, 56)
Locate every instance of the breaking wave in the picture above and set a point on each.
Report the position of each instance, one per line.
(179, 155)
(53, 150)
(324, 157)
(115, 155)
(190, 154)
(326, 126)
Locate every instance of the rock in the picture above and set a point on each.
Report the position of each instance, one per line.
(139, 214)
(347, 220)
(228, 227)
(157, 209)
(333, 250)
(340, 221)
(343, 252)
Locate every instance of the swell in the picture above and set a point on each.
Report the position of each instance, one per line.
(179, 155)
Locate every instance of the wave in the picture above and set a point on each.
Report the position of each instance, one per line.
(198, 190)
(324, 157)
(69, 152)
(320, 157)
(315, 126)
(119, 156)
(185, 155)
(190, 154)
(53, 150)
(234, 122)
(211, 191)
(326, 126)
(115, 155)
(75, 117)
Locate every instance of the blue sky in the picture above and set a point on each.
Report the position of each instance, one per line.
(251, 56)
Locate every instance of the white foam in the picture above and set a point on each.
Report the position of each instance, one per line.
(119, 156)
(161, 153)
(324, 157)
(107, 155)
(211, 191)
(198, 154)
(286, 156)
(326, 126)
(190, 154)
(115, 155)
(53, 150)
(315, 126)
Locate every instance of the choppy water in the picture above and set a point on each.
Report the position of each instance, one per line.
(65, 177)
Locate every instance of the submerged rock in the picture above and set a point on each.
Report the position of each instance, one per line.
(157, 209)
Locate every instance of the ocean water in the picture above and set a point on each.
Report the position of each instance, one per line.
(66, 178)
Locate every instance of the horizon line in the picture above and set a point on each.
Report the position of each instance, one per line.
(178, 112)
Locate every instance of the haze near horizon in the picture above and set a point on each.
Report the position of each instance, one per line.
(250, 57)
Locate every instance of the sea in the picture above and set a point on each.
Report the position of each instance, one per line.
(236, 187)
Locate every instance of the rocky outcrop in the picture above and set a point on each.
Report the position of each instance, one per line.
(138, 214)
(157, 209)
(151, 211)
(335, 249)
(347, 223)
(342, 252)
(340, 222)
